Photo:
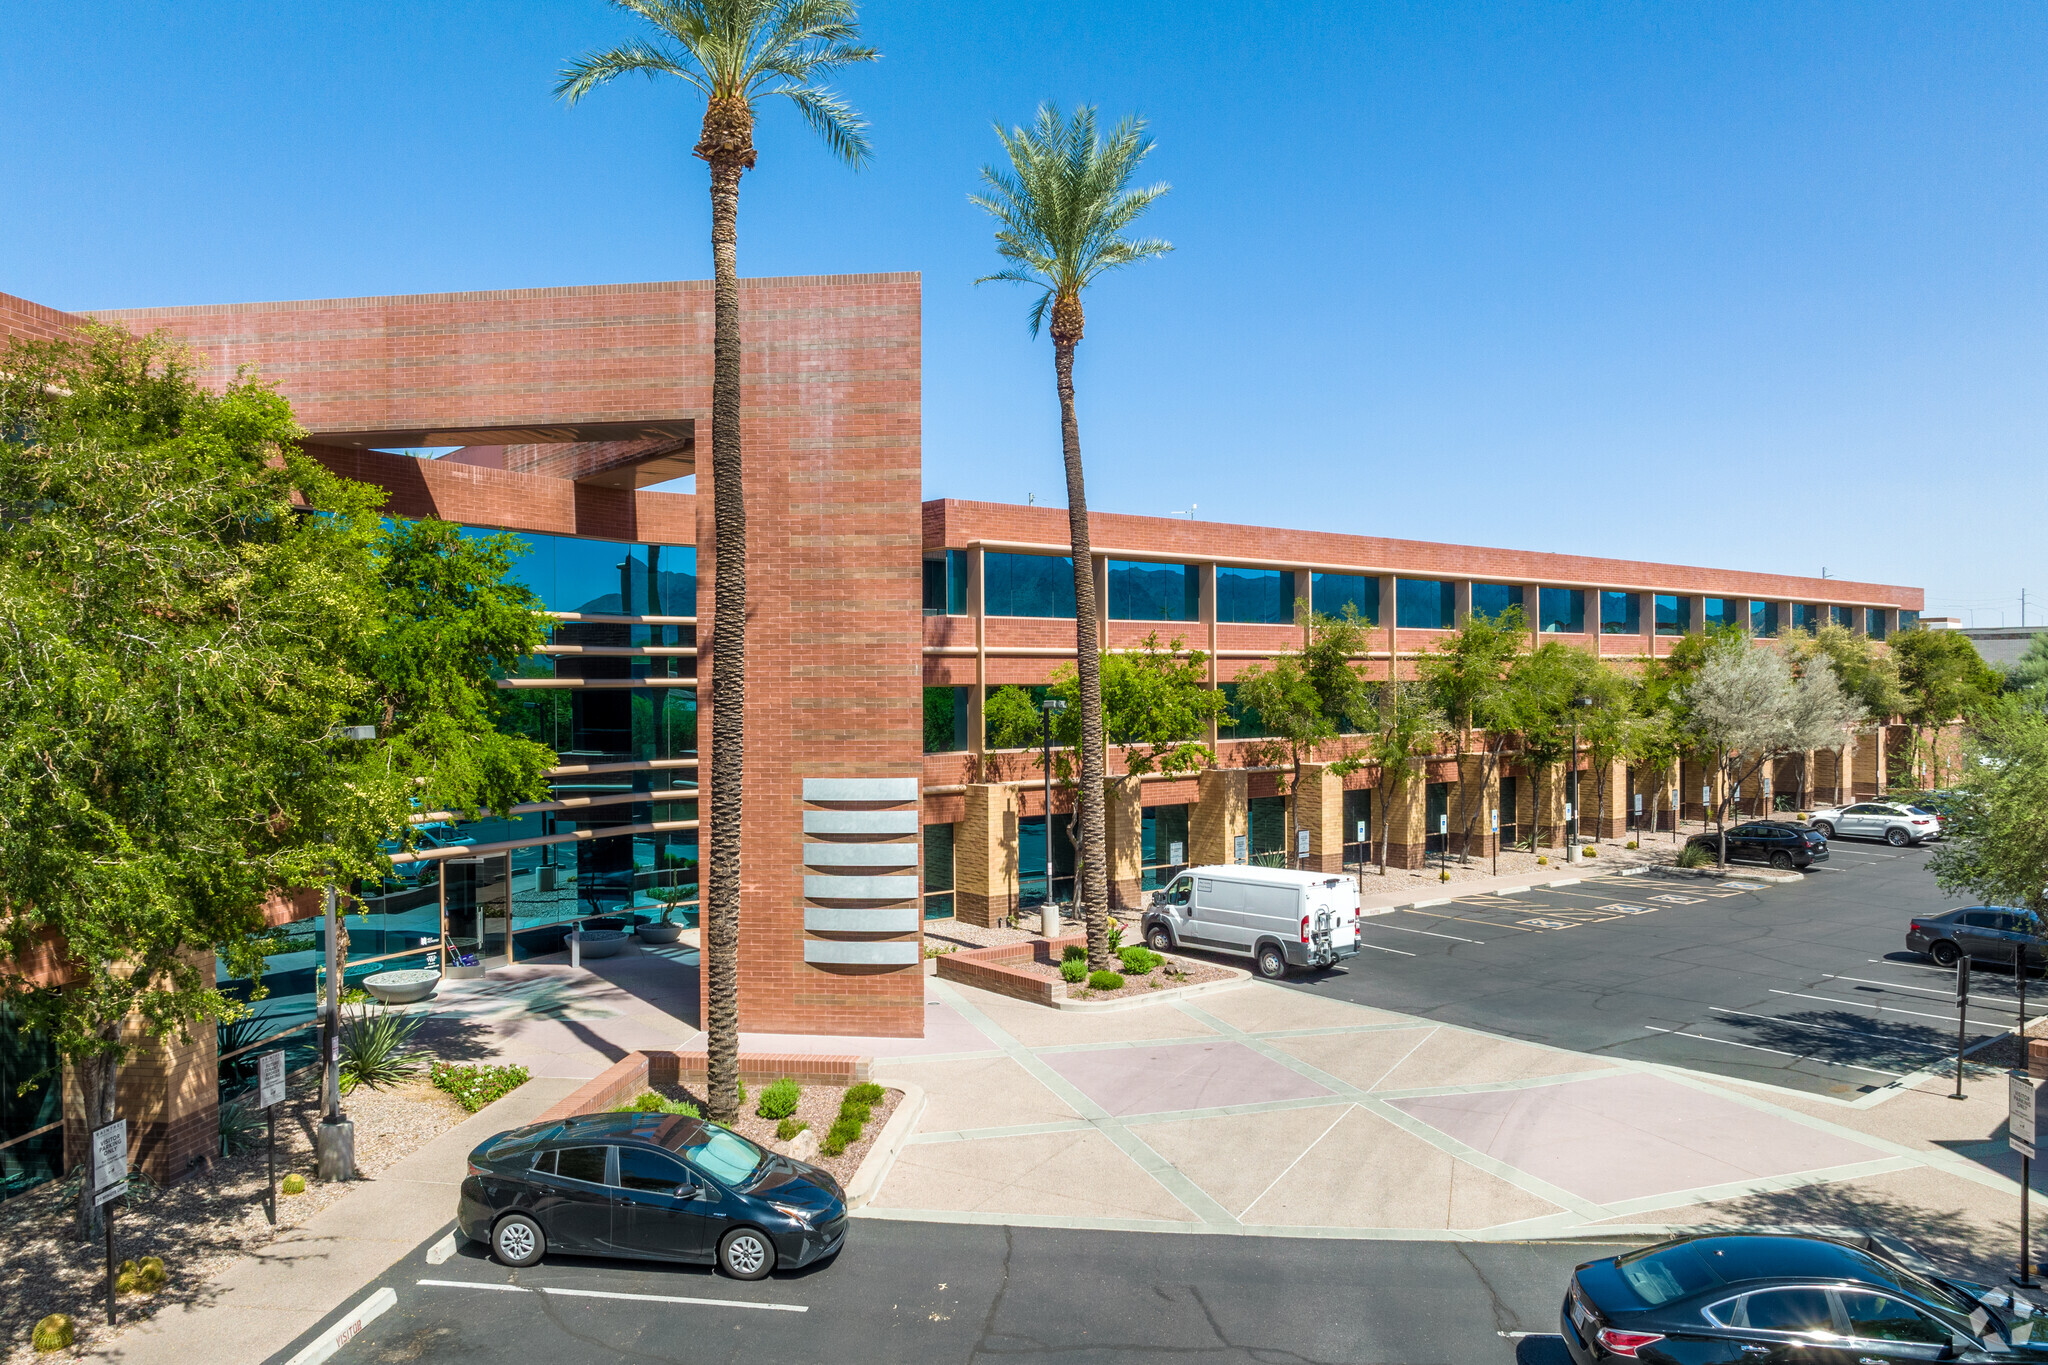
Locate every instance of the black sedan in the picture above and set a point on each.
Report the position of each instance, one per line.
(650, 1186)
(1987, 934)
(1721, 1300)
(1784, 846)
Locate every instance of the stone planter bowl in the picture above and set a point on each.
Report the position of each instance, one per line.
(657, 932)
(603, 942)
(402, 988)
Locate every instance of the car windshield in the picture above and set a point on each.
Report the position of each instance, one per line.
(723, 1155)
(1918, 811)
(1658, 1277)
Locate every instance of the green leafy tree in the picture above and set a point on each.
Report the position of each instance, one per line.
(1995, 841)
(1467, 677)
(2030, 670)
(189, 608)
(1404, 725)
(1537, 705)
(1309, 697)
(1606, 726)
(1063, 207)
(1944, 679)
(734, 54)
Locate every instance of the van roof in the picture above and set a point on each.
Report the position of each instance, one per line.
(1271, 876)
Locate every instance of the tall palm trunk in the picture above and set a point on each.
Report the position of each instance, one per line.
(728, 145)
(1092, 878)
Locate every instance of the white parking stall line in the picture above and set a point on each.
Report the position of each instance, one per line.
(615, 1294)
(1977, 994)
(1780, 1052)
(1884, 1009)
(1399, 930)
(1824, 1028)
(1378, 949)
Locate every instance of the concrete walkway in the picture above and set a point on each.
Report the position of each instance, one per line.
(261, 1303)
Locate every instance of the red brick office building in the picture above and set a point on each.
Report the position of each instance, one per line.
(868, 608)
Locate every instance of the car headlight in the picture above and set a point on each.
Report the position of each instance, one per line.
(796, 1212)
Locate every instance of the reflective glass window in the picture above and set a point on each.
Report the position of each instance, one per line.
(1674, 614)
(956, 582)
(1165, 835)
(1873, 622)
(1908, 619)
(1805, 616)
(1238, 720)
(1621, 613)
(1255, 596)
(1789, 1310)
(935, 585)
(1840, 616)
(1139, 591)
(608, 577)
(657, 1172)
(1330, 593)
(1763, 619)
(1028, 585)
(938, 871)
(1563, 610)
(1876, 1317)
(1491, 599)
(1031, 859)
(581, 1163)
(1424, 604)
(1718, 611)
(945, 720)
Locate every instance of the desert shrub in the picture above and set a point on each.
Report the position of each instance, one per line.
(1695, 855)
(867, 1092)
(779, 1100)
(292, 1184)
(1074, 953)
(1104, 981)
(654, 1102)
(377, 1050)
(1139, 960)
(1074, 969)
(843, 1134)
(242, 1125)
(1116, 934)
(55, 1333)
(789, 1128)
(476, 1086)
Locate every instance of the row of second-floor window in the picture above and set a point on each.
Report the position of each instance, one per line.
(604, 577)
(605, 724)
(948, 723)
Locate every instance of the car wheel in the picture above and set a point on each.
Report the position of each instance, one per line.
(1827, 831)
(1782, 861)
(746, 1254)
(1272, 963)
(1944, 953)
(1897, 838)
(517, 1241)
(1161, 941)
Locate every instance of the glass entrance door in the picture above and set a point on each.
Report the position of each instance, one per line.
(474, 908)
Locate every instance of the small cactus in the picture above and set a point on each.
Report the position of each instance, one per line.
(54, 1333)
(293, 1184)
(145, 1276)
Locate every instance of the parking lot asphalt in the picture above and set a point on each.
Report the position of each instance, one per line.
(1807, 986)
(937, 1293)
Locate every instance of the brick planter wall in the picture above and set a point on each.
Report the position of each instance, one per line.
(638, 1071)
(991, 969)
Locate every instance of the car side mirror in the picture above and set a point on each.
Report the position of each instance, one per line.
(687, 1191)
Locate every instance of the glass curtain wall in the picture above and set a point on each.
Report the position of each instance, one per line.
(1763, 619)
(1841, 616)
(1424, 604)
(1873, 622)
(1674, 614)
(1621, 613)
(1255, 596)
(1268, 819)
(1031, 860)
(1719, 611)
(1028, 585)
(1805, 616)
(1491, 599)
(1563, 611)
(1165, 847)
(1140, 591)
(945, 720)
(1359, 831)
(1330, 593)
(938, 871)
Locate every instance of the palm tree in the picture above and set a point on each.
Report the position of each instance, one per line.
(1061, 209)
(734, 52)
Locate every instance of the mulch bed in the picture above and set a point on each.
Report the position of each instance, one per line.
(199, 1225)
(818, 1107)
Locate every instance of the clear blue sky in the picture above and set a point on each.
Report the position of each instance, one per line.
(1759, 286)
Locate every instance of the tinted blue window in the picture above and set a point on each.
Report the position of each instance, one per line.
(1238, 721)
(956, 582)
(1422, 604)
(1908, 619)
(1154, 592)
(1873, 622)
(605, 577)
(1491, 599)
(1621, 613)
(1674, 614)
(1840, 616)
(1257, 596)
(1720, 611)
(1563, 611)
(1330, 592)
(1763, 619)
(1028, 585)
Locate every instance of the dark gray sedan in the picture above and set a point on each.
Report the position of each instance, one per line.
(1987, 934)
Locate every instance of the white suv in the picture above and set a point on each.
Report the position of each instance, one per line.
(1895, 824)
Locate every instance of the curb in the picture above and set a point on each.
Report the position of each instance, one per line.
(875, 1166)
(341, 1333)
(1733, 873)
(1238, 976)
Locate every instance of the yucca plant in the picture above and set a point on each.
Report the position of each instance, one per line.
(242, 1126)
(376, 1048)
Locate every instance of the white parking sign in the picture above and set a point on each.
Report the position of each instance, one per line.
(110, 1161)
(2023, 1093)
(269, 1079)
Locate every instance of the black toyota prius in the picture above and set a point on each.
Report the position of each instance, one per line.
(650, 1186)
(1757, 1299)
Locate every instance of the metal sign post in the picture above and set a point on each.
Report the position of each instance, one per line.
(2023, 1095)
(1301, 843)
(1674, 815)
(1443, 831)
(1639, 815)
(1962, 1017)
(1496, 841)
(1364, 850)
(110, 1182)
(269, 1094)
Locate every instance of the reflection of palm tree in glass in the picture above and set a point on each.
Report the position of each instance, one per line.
(673, 892)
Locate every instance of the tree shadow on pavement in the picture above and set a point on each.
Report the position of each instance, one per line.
(1952, 1240)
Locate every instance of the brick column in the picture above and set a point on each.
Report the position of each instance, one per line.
(1407, 817)
(1693, 775)
(1605, 790)
(169, 1091)
(1547, 792)
(1222, 811)
(1319, 809)
(1478, 798)
(985, 854)
(1124, 822)
(1869, 766)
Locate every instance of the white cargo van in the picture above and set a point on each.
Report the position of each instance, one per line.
(1278, 917)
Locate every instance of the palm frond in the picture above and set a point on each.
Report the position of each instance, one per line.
(833, 119)
(593, 69)
(1064, 202)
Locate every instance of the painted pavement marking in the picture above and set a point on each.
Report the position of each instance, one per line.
(1399, 930)
(1882, 1009)
(1756, 1047)
(614, 1294)
(1828, 1028)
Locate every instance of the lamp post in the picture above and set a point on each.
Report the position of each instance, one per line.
(1049, 915)
(1571, 850)
(334, 1146)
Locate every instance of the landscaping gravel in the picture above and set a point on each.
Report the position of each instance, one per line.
(818, 1107)
(199, 1224)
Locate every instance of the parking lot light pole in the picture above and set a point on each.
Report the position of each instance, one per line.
(334, 1145)
(1049, 916)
